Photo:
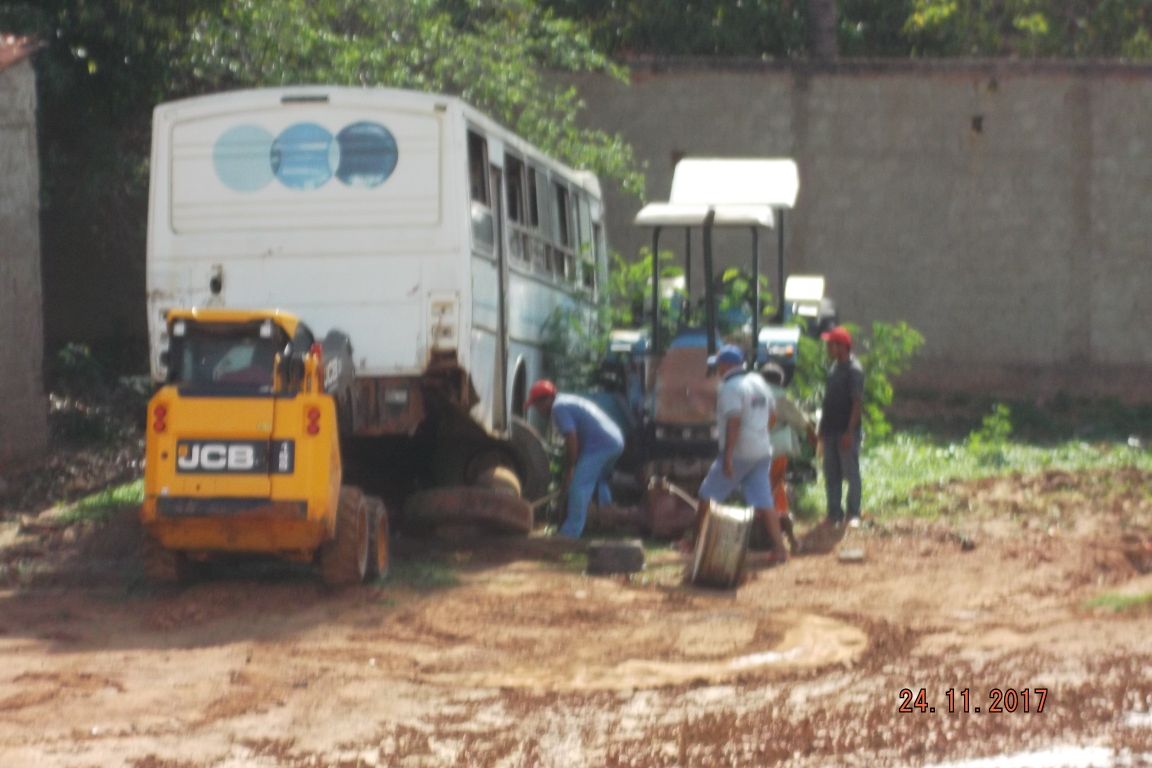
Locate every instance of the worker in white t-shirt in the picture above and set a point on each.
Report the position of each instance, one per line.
(745, 413)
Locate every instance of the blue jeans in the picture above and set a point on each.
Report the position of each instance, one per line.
(589, 476)
(841, 465)
(752, 477)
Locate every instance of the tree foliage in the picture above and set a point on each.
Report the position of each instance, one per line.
(692, 27)
(630, 287)
(885, 353)
(104, 65)
(783, 29)
(1031, 28)
(492, 53)
(107, 63)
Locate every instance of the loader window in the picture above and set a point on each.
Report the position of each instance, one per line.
(225, 357)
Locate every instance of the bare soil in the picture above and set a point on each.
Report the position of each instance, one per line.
(500, 651)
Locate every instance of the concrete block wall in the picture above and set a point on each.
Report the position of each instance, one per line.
(23, 412)
(1001, 208)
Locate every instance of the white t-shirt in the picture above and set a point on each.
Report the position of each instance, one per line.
(749, 397)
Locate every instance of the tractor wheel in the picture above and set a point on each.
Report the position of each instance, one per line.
(163, 566)
(380, 540)
(344, 559)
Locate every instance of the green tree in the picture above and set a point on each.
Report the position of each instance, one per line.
(1030, 28)
(822, 23)
(735, 301)
(630, 293)
(107, 63)
(874, 28)
(754, 28)
(885, 353)
(104, 65)
(492, 53)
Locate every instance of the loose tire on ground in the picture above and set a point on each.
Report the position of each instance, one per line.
(344, 560)
(380, 541)
(494, 510)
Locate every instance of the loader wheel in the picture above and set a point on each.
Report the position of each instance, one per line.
(380, 541)
(344, 559)
(163, 566)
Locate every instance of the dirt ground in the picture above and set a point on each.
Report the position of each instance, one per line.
(501, 651)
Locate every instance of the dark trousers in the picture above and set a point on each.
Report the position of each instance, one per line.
(841, 465)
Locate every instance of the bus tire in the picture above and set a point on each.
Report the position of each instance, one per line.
(344, 559)
(533, 463)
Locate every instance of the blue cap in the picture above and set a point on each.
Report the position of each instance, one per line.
(729, 354)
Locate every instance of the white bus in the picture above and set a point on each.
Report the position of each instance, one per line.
(437, 240)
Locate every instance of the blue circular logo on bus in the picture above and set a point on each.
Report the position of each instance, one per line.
(305, 156)
(241, 158)
(367, 155)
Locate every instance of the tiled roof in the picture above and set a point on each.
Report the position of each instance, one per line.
(15, 49)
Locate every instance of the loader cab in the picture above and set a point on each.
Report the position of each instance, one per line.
(213, 355)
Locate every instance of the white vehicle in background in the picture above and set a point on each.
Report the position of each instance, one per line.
(436, 240)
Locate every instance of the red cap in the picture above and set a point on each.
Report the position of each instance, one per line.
(839, 335)
(539, 391)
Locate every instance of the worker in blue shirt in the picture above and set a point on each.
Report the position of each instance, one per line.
(592, 444)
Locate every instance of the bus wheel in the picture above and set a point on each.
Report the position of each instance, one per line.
(533, 463)
(344, 559)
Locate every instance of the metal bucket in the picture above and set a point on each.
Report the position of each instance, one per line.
(722, 546)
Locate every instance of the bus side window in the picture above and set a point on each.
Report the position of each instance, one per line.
(483, 229)
(591, 276)
(533, 205)
(586, 258)
(518, 238)
(565, 262)
(477, 168)
(537, 213)
(563, 210)
(515, 173)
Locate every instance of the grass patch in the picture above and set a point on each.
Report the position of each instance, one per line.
(423, 575)
(1118, 603)
(894, 469)
(900, 473)
(104, 504)
(577, 562)
(952, 416)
